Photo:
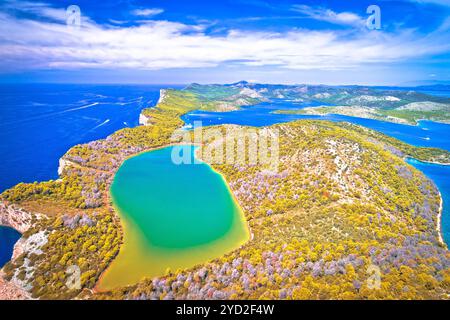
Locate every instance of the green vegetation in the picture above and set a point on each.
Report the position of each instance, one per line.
(316, 230)
(406, 114)
(213, 92)
(343, 200)
(412, 116)
(401, 148)
(88, 243)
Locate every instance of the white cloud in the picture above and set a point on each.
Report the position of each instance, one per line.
(156, 45)
(323, 14)
(36, 8)
(147, 12)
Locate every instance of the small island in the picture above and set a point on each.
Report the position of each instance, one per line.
(404, 107)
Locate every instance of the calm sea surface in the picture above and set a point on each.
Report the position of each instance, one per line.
(40, 122)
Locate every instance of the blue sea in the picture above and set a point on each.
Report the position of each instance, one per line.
(8, 237)
(40, 122)
(441, 177)
(426, 134)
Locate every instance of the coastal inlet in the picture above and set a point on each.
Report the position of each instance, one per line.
(8, 237)
(173, 216)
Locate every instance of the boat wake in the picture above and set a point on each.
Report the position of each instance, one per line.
(100, 125)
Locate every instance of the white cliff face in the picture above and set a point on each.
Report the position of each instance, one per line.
(14, 217)
(21, 220)
(144, 120)
(62, 165)
(32, 244)
(162, 95)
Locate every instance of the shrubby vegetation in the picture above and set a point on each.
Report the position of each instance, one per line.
(89, 242)
(342, 200)
(316, 231)
(405, 114)
(82, 194)
(401, 148)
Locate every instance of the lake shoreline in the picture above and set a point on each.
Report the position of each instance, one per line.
(117, 213)
(244, 219)
(439, 228)
(439, 221)
(220, 243)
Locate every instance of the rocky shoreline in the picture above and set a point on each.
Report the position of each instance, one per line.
(439, 221)
(20, 220)
(15, 217)
(10, 291)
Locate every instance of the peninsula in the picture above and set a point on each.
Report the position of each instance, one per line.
(343, 205)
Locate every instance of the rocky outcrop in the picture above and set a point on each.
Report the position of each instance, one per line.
(21, 220)
(15, 217)
(162, 95)
(144, 120)
(32, 244)
(250, 93)
(62, 165)
(77, 220)
(10, 291)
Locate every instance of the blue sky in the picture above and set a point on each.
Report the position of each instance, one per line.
(171, 41)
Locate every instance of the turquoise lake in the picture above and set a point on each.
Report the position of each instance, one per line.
(173, 216)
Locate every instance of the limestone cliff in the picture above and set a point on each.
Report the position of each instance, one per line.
(15, 217)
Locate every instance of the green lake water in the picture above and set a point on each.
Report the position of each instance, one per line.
(174, 216)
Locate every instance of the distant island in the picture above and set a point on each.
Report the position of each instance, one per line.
(344, 206)
(405, 107)
(408, 114)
